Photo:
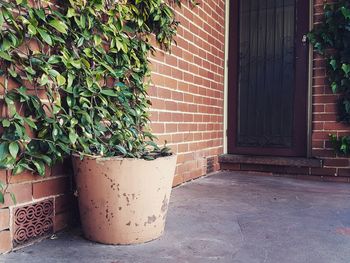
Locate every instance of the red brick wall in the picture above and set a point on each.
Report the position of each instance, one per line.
(325, 114)
(187, 95)
(30, 189)
(188, 89)
(324, 122)
(188, 108)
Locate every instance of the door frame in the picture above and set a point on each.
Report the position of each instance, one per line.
(231, 82)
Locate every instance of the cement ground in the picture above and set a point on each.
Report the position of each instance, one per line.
(228, 217)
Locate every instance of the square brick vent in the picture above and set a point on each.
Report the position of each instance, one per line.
(32, 222)
(210, 165)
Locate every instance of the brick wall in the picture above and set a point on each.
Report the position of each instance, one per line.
(324, 122)
(188, 90)
(325, 115)
(187, 95)
(30, 189)
(188, 106)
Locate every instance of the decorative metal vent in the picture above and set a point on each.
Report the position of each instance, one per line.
(32, 222)
(210, 165)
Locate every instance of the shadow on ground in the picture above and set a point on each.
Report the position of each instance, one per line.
(228, 217)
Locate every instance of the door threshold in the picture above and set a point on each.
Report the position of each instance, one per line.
(270, 160)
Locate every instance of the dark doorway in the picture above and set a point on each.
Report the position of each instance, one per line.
(268, 77)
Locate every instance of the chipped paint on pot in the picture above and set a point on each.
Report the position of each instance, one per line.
(123, 201)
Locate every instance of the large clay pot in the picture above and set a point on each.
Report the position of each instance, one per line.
(123, 201)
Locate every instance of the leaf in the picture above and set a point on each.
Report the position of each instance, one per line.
(345, 11)
(2, 20)
(6, 123)
(6, 44)
(44, 80)
(71, 78)
(12, 72)
(40, 13)
(61, 80)
(45, 158)
(56, 109)
(82, 21)
(76, 63)
(334, 87)
(118, 43)
(333, 63)
(97, 40)
(45, 36)
(89, 82)
(40, 167)
(30, 70)
(31, 29)
(148, 157)
(121, 149)
(30, 123)
(11, 106)
(17, 169)
(2, 199)
(87, 52)
(80, 42)
(120, 84)
(70, 101)
(110, 69)
(3, 150)
(54, 59)
(346, 68)
(54, 73)
(19, 130)
(109, 92)
(54, 133)
(5, 56)
(59, 26)
(71, 12)
(73, 136)
(13, 149)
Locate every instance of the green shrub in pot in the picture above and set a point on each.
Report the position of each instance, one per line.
(73, 75)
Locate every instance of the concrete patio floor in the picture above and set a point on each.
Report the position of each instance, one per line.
(228, 217)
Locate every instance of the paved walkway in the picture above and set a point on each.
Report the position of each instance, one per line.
(228, 217)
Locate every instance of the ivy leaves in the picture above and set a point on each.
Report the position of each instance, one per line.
(331, 38)
(74, 79)
(341, 145)
(345, 12)
(59, 26)
(19, 150)
(13, 149)
(45, 36)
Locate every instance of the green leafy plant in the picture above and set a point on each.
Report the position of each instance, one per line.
(341, 144)
(74, 77)
(331, 39)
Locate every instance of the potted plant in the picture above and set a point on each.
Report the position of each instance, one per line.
(82, 92)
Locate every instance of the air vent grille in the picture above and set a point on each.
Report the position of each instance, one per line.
(32, 222)
(210, 165)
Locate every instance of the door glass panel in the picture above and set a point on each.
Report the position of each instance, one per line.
(266, 73)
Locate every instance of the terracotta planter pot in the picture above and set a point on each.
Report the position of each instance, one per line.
(123, 201)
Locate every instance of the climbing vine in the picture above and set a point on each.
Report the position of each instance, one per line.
(331, 39)
(73, 76)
